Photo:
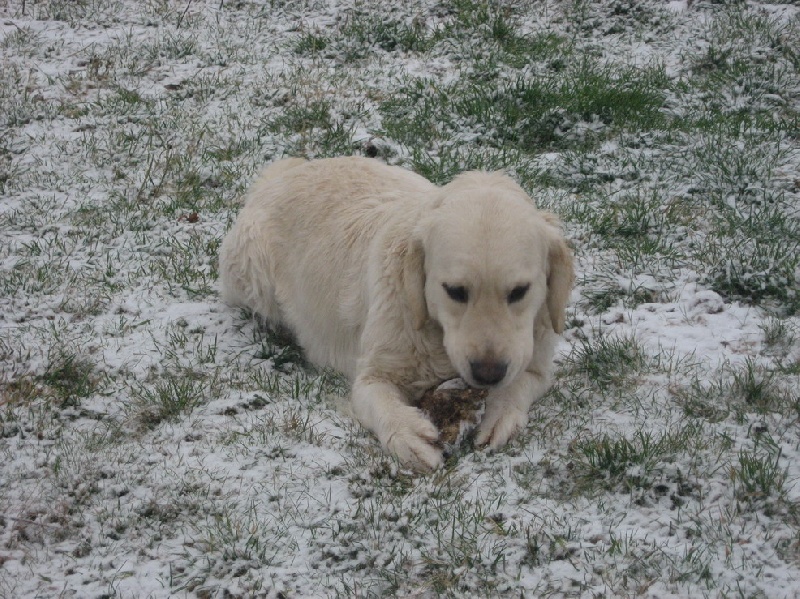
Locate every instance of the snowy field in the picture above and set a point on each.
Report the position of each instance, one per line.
(157, 443)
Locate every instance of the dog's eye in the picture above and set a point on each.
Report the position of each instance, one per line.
(517, 293)
(457, 293)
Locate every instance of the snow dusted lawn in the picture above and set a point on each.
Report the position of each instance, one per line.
(155, 442)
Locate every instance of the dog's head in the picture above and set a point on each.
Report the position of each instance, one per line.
(488, 267)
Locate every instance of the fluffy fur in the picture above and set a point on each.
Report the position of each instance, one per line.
(401, 284)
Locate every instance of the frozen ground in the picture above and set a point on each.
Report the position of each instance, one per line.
(155, 442)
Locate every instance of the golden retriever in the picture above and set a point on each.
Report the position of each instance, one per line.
(401, 284)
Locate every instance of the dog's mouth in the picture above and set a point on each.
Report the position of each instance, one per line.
(472, 383)
(482, 387)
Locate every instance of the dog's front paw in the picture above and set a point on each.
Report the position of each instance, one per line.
(412, 441)
(499, 426)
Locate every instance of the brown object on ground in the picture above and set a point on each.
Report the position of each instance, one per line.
(449, 407)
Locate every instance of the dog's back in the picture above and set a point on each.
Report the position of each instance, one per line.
(299, 252)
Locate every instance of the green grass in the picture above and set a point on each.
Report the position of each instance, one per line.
(758, 476)
(608, 361)
(577, 107)
(174, 395)
(743, 392)
(640, 464)
(71, 377)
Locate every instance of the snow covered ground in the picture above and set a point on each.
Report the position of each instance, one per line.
(155, 442)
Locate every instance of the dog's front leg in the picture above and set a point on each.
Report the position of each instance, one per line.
(402, 429)
(507, 408)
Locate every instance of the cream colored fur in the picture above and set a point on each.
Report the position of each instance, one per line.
(353, 257)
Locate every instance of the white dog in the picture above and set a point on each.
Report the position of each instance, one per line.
(401, 285)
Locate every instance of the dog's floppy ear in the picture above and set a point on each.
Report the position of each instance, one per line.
(414, 281)
(560, 276)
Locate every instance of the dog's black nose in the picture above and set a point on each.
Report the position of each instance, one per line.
(488, 372)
